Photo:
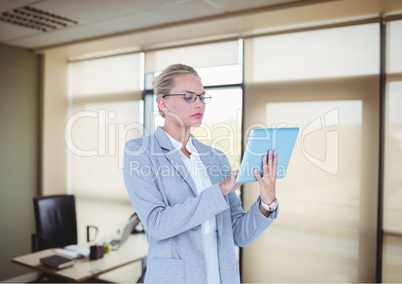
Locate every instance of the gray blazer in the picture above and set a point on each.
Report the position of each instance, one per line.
(164, 197)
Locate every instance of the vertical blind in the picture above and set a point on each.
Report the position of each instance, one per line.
(105, 110)
(324, 82)
(392, 248)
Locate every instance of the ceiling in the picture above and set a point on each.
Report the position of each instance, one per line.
(91, 19)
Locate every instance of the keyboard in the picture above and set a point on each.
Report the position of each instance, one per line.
(114, 242)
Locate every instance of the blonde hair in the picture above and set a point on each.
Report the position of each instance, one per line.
(164, 83)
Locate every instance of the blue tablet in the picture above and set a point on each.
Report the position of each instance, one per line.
(259, 142)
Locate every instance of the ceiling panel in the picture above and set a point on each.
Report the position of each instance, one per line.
(131, 22)
(84, 11)
(6, 5)
(164, 14)
(10, 32)
(145, 5)
(186, 11)
(233, 6)
(53, 38)
(102, 18)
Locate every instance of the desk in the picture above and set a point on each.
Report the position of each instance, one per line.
(134, 249)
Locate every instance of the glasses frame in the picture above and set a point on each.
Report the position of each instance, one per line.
(204, 98)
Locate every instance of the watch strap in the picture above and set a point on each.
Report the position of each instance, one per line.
(269, 207)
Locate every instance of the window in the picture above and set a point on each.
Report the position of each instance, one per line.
(395, 46)
(336, 52)
(329, 189)
(106, 109)
(392, 247)
(323, 81)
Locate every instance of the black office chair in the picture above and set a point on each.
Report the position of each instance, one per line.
(56, 222)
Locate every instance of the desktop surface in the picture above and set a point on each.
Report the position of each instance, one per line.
(134, 249)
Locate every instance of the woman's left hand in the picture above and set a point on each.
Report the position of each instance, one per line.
(267, 181)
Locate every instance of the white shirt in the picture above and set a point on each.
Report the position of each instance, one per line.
(195, 167)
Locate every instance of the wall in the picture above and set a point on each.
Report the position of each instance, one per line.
(19, 120)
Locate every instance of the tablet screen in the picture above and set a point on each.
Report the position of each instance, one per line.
(259, 142)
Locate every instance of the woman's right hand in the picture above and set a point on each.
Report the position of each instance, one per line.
(229, 184)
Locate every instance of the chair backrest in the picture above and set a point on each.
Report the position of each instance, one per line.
(56, 221)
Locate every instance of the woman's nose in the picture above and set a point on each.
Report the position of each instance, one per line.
(199, 103)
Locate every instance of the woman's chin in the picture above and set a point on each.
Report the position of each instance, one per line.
(196, 124)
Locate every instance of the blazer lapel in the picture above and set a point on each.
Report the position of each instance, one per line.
(173, 155)
(211, 163)
(214, 169)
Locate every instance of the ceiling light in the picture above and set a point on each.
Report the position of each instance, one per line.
(36, 19)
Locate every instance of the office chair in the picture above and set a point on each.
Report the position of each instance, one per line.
(56, 222)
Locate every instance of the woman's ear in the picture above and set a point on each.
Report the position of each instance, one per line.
(162, 105)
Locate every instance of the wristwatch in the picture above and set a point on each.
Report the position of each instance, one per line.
(271, 207)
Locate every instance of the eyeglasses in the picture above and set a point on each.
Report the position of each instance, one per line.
(191, 97)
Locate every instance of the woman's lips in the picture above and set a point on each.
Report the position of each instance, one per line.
(197, 115)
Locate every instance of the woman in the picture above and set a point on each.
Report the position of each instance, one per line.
(183, 191)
